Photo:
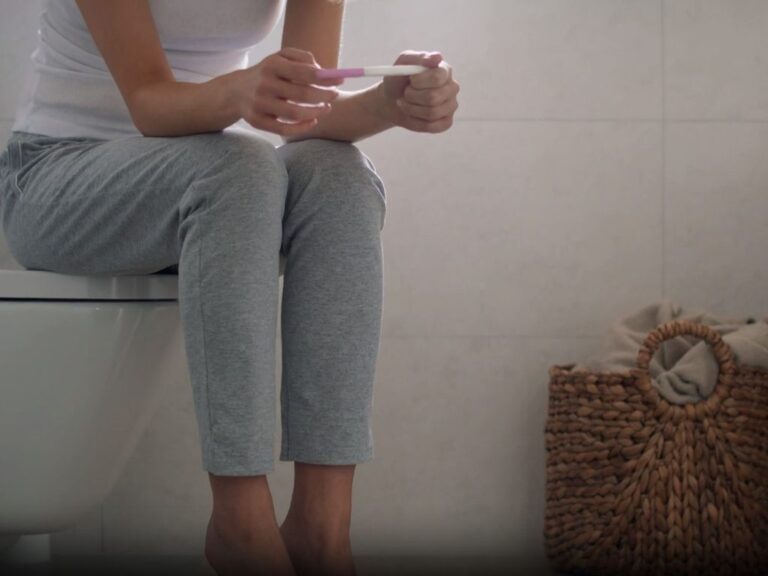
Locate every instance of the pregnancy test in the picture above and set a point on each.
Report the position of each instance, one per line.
(399, 70)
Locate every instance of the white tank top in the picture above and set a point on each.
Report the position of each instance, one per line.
(70, 92)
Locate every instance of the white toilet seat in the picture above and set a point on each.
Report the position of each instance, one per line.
(44, 285)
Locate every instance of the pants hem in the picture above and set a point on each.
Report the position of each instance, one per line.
(239, 469)
(309, 457)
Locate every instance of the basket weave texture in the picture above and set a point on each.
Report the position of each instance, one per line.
(636, 485)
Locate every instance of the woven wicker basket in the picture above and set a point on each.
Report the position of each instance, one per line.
(636, 485)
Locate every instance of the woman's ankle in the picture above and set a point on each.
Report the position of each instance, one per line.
(317, 551)
(242, 528)
(242, 505)
(323, 534)
(236, 549)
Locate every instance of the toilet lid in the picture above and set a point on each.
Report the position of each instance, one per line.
(43, 285)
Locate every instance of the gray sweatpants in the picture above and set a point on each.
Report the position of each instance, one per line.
(220, 209)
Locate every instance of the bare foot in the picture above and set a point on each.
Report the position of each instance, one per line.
(316, 555)
(255, 551)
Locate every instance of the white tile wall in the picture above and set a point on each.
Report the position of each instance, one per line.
(608, 153)
(459, 465)
(716, 64)
(17, 37)
(716, 235)
(525, 59)
(506, 228)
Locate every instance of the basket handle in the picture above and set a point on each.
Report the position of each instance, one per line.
(722, 352)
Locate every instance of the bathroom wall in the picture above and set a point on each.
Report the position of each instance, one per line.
(607, 154)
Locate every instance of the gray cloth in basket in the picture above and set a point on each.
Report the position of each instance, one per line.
(684, 369)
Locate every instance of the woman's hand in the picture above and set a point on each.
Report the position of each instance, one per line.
(424, 102)
(283, 85)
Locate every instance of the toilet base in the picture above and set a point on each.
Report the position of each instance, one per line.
(27, 549)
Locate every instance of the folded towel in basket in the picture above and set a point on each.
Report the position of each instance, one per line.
(683, 370)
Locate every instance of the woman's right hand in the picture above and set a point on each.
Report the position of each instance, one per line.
(283, 85)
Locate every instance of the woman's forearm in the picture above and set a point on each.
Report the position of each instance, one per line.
(354, 116)
(183, 108)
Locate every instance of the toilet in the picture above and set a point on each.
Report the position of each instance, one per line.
(82, 362)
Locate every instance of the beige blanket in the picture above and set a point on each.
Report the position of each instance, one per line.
(684, 370)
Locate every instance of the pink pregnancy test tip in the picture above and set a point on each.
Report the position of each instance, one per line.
(326, 73)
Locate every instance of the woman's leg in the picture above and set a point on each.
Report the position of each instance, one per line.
(331, 321)
(316, 528)
(213, 203)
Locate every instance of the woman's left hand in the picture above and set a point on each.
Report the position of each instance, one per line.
(424, 102)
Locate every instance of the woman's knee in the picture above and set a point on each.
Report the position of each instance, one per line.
(246, 153)
(341, 166)
(238, 168)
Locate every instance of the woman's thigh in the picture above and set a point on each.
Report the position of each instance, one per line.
(85, 206)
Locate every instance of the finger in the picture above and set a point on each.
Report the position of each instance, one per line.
(302, 92)
(272, 124)
(428, 113)
(430, 96)
(295, 112)
(440, 125)
(296, 72)
(298, 55)
(433, 59)
(411, 57)
(430, 59)
(433, 78)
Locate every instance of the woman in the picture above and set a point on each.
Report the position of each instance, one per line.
(124, 159)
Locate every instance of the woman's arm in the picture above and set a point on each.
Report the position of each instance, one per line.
(125, 33)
